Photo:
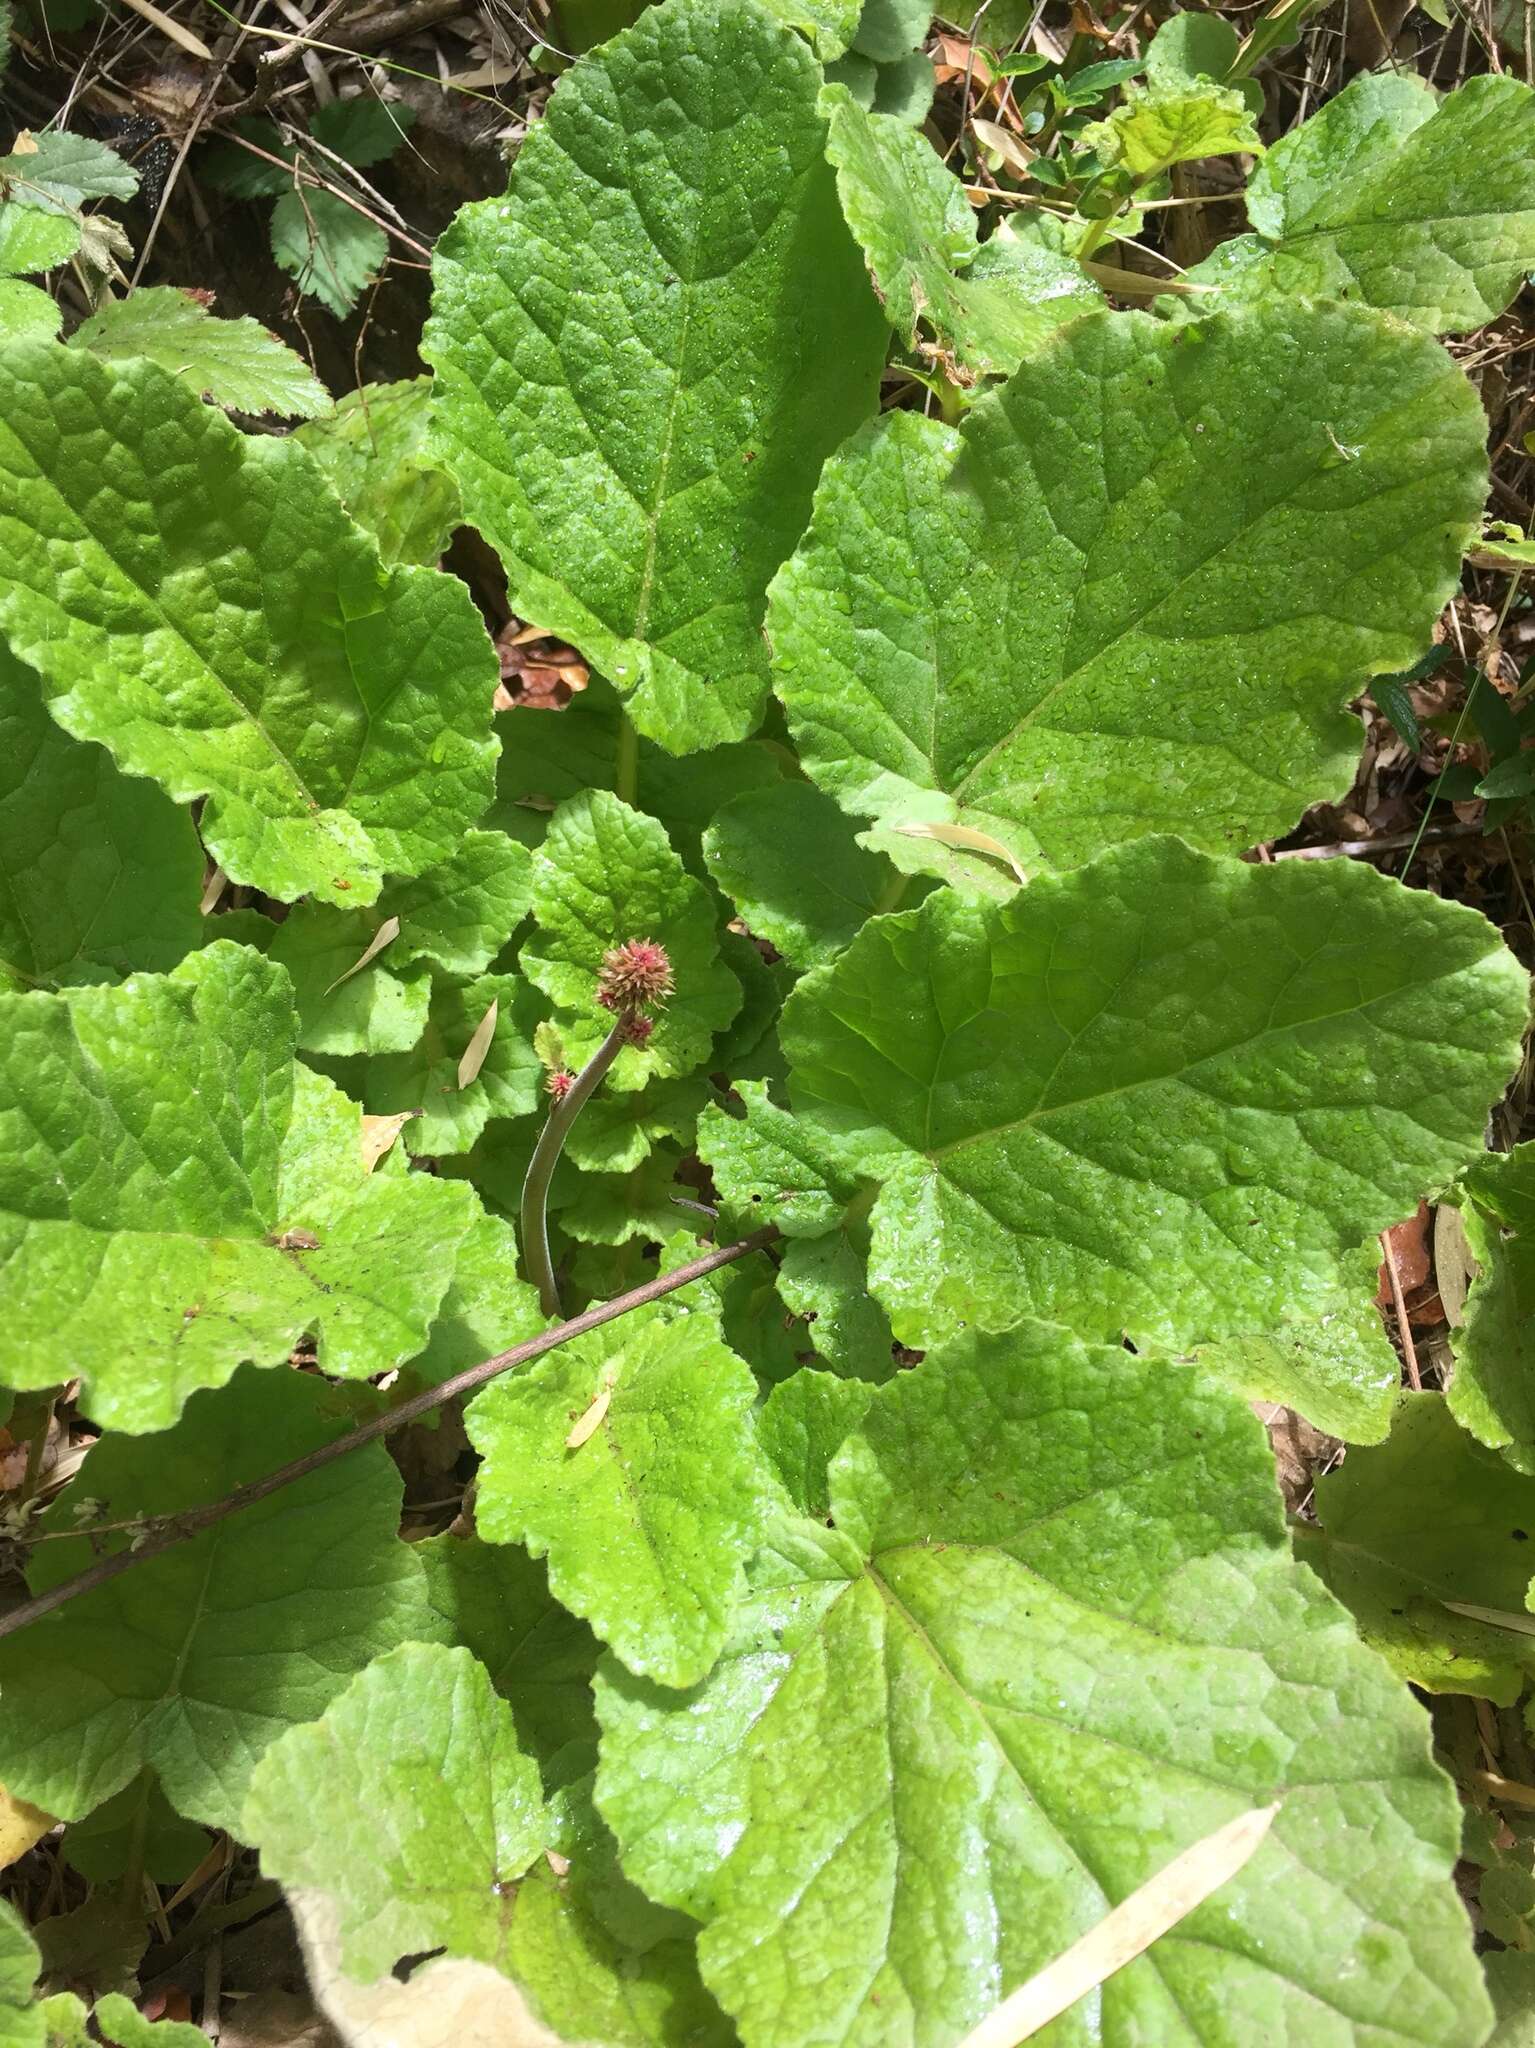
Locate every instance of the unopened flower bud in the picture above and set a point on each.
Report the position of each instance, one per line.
(637, 1029)
(559, 1084)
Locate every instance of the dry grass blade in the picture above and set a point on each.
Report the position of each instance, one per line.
(387, 931)
(1127, 1932)
(183, 37)
(969, 840)
(591, 1421)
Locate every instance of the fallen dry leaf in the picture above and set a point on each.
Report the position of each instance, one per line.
(591, 1421)
(474, 1052)
(379, 1133)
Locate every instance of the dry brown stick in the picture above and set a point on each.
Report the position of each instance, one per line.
(303, 175)
(174, 1529)
(1399, 1303)
(379, 30)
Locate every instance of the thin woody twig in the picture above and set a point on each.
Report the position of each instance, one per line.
(174, 1529)
(1398, 1302)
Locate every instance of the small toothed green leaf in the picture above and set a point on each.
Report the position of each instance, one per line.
(176, 1196)
(113, 2019)
(615, 1133)
(102, 872)
(1428, 1517)
(888, 29)
(802, 1425)
(1425, 209)
(59, 172)
(1166, 1096)
(788, 859)
(1045, 628)
(373, 449)
(827, 1280)
(194, 1662)
(1053, 1636)
(327, 246)
(235, 362)
(616, 1208)
(226, 629)
(647, 1520)
(641, 498)
(795, 1172)
(909, 215)
(606, 874)
(410, 1803)
(364, 129)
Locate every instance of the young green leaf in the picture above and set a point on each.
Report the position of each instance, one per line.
(801, 1426)
(1424, 1519)
(225, 629)
(826, 1279)
(1493, 1391)
(796, 1172)
(606, 874)
(102, 872)
(347, 1002)
(1053, 1637)
(372, 448)
(1053, 626)
(640, 498)
(333, 252)
(1163, 1096)
(616, 1133)
(888, 29)
(916, 228)
(235, 362)
(1156, 126)
(197, 1660)
(1189, 46)
(506, 1082)
(494, 1599)
(787, 857)
(410, 1803)
(177, 1196)
(1425, 209)
(626, 1458)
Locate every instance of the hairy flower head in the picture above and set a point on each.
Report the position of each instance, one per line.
(634, 976)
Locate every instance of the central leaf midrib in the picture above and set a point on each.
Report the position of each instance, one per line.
(1174, 1076)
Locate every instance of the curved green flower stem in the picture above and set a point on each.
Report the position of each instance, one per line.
(626, 779)
(546, 1156)
(167, 1531)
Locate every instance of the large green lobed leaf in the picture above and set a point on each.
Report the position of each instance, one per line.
(1164, 1095)
(645, 352)
(1053, 1636)
(1135, 592)
(197, 601)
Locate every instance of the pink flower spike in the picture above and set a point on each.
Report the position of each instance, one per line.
(634, 976)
